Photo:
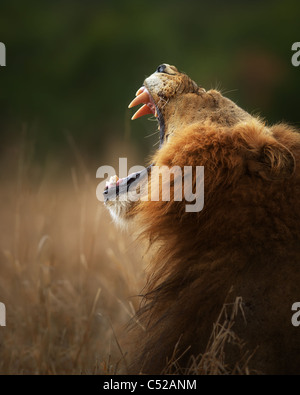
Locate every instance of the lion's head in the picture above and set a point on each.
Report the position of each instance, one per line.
(176, 100)
(181, 107)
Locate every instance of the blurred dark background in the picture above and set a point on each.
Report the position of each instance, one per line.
(73, 66)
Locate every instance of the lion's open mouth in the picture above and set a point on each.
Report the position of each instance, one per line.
(143, 97)
(115, 186)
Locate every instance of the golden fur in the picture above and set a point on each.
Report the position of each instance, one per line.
(245, 241)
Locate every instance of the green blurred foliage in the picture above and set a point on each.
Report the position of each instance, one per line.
(75, 65)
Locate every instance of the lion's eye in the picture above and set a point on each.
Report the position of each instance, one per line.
(161, 68)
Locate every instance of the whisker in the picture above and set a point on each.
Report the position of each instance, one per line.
(152, 119)
(229, 91)
(152, 134)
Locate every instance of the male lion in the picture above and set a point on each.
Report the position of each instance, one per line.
(245, 242)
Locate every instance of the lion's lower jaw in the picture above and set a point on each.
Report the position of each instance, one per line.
(120, 211)
(117, 211)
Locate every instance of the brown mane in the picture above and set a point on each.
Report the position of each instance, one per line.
(246, 232)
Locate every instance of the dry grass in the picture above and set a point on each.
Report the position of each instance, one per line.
(68, 278)
(214, 360)
(67, 275)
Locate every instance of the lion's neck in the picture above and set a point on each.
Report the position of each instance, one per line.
(207, 107)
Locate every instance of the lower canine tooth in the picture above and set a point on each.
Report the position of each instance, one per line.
(142, 111)
(112, 181)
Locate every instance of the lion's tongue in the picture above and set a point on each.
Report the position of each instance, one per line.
(143, 97)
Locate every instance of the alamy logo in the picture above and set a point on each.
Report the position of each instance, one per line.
(296, 56)
(2, 54)
(296, 316)
(166, 184)
(2, 314)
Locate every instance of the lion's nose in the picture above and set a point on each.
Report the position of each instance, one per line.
(161, 68)
(166, 69)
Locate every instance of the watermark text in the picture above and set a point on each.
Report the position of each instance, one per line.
(296, 316)
(2, 54)
(2, 314)
(296, 56)
(156, 183)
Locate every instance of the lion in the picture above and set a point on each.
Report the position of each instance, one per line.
(244, 242)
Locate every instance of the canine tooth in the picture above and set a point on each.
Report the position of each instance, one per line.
(112, 181)
(142, 111)
(141, 90)
(141, 98)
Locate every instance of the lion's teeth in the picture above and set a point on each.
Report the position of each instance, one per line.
(112, 181)
(141, 98)
(142, 111)
(141, 90)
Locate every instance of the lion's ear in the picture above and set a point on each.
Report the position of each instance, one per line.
(273, 162)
